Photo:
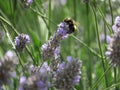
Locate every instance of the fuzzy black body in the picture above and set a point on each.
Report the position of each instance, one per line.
(71, 24)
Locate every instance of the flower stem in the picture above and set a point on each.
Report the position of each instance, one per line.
(97, 82)
(75, 6)
(88, 43)
(97, 32)
(115, 78)
(90, 49)
(111, 12)
(49, 34)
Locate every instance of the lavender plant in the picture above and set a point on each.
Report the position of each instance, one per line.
(63, 76)
(21, 41)
(64, 28)
(38, 80)
(7, 69)
(113, 51)
(48, 69)
(67, 74)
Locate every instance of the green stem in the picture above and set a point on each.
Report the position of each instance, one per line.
(11, 8)
(28, 51)
(20, 60)
(88, 43)
(75, 8)
(115, 78)
(105, 33)
(102, 15)
(43, 16)
(12, 11)
(49, 34)
(118, 74)
(40, 13)
(98, 81)
(110, 88)
(8, 35)
(3, 14)
(90, 49)
(97, 32)
(8, 23)
(115, 73)
(111, 12)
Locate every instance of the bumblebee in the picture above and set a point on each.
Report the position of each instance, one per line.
(72, 25)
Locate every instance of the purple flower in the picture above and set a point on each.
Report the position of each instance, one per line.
(39, 80)
(63, 29)
(32, 68)
(67, 74)
(30, 1)
(11, 55)
(41, 86)
(52, 48)
(44, 69)
(116, 26)
(21, 41)
(63, 2)
(57, 51)
(117, 21)
(6, 71)
(1, 88)
(22, 79)
(69, 58)
(102, 38)
(13, 74)
(76, 80)
(113, 50)
(107, 53)
(44, 47)
(61, 66)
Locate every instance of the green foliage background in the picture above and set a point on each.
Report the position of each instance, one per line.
(40, 21)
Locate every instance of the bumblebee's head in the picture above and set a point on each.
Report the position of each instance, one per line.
(72, 25)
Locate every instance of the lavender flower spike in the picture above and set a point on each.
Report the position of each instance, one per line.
(68, 75)
(64, 28)
(113, 51)
(7, 67)
(116, 26)
(38, 80)
(21, 41)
